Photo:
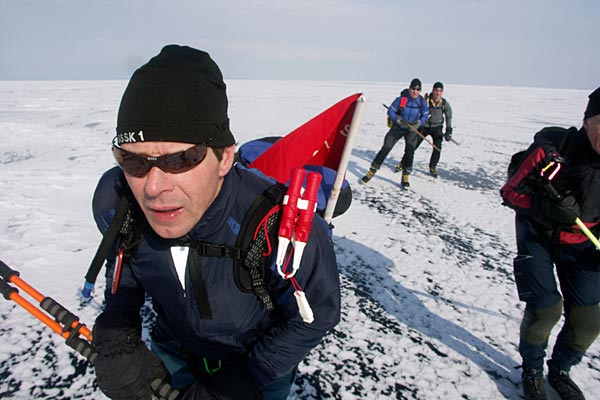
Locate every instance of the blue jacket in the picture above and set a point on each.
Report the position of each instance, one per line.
(241, 325)
(415, 109)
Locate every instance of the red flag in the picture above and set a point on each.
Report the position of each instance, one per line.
(319, 141)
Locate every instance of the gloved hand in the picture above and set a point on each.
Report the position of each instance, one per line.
(448, 134)
(417, 125)
(561, 212)
(124, 366)
(401, 122)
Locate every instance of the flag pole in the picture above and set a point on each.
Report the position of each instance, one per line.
(341, 171)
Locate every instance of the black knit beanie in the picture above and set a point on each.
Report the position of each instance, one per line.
(415, 84)
(178, 96)
(593, 107)
(438, 85)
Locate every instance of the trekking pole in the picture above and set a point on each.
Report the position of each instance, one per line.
(587, 233)
(65, 324)
(557, 196)
(417, 132)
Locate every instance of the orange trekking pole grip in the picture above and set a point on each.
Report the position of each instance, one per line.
(52, 307)
(66, 324)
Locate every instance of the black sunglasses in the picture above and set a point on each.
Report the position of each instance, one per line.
(176, 163)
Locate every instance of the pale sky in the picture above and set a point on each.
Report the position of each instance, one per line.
(531, 43)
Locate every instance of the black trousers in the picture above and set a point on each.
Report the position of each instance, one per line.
(412, 143)
(394, 134)
(578, 270)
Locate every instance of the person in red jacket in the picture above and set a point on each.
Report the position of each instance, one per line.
(554, 189)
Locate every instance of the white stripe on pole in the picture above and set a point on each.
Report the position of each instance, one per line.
(341, 171)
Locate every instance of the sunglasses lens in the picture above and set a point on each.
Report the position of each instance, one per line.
(131, 163)
(182, 161)
(176, 163)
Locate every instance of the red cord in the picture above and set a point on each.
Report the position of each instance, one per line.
(263, 224)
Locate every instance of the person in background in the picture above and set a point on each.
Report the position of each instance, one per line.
(211, 338)
(554, 186)
(439, 111)
(410, 108)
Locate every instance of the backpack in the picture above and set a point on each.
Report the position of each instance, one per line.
(251, 253)
(429, 102)
(565, 143)
(403, 100)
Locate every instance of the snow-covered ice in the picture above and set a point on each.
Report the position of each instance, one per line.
(430, 310)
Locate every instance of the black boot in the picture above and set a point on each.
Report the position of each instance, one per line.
(533, 384)
(433, 172)
(564, 385)
(368, 176)
(405, 183)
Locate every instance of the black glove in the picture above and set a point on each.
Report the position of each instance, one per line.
(561, 212)
(124, 366)
(417, 125)
(448, 134)
(400, 122)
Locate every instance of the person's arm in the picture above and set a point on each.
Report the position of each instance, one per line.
(394, 110)
(517, 191)
(287, 343)
(448, 116)
(530, 194)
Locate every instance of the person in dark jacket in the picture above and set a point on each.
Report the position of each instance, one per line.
(439, 111)
(407, 112)
(212, 337)
(555, 190)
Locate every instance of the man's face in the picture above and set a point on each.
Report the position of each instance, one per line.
(174, 203)
(592, 127)
(437, 93)
(414, 92)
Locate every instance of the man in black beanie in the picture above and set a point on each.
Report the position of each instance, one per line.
(225, 328)
(407, 113)
(440, 111)
(555, 192)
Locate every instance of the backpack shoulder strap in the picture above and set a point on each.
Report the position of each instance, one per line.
(256, 239)
(251, 254)
(109, 238)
